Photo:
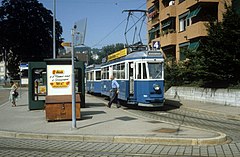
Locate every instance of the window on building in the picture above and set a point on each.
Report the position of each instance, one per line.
(183, 22)
(183, 48)
(154, 32)
(168, 26)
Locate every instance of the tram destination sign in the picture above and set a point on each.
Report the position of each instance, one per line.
(117, 54)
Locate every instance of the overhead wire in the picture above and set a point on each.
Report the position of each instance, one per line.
(109, 33)
(114, 29)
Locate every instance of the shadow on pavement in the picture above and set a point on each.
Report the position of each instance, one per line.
(168, 105)
(89, 105)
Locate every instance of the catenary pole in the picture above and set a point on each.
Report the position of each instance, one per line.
(54, 32)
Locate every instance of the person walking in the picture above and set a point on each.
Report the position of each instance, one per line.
(13, 93)
(114, 92)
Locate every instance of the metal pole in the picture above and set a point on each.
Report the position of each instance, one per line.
(54, 33)
(73, 85)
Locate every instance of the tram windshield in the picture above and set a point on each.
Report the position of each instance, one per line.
(155, 70)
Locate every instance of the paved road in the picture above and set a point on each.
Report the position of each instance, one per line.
(231, 127)
(41, 148)
(4, 95)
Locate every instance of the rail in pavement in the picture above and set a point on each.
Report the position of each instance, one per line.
(99, 124)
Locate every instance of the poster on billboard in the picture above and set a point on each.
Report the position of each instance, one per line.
(59, 79)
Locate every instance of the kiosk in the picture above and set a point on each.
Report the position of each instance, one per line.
(44, 81)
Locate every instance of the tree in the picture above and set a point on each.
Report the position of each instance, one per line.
(109, 49)
(26, 30)
(221, 51)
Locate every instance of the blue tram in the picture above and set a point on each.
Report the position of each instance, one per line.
(140, 75)
(93, 79)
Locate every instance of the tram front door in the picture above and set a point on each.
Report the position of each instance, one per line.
(131, 78)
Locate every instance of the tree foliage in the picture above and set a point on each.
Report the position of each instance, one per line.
(26, 29)
(221, 51)
(109, 49)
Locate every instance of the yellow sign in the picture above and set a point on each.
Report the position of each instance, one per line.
(67, 44)
(60, 84)
(57, 71)
(117, 54)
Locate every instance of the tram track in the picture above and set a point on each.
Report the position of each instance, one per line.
(204, 121)
(182, 116)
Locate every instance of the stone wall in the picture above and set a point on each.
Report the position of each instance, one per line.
(230, 97)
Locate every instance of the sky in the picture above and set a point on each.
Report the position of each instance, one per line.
(105, 21)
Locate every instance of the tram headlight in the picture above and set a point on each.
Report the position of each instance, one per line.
(156, 87)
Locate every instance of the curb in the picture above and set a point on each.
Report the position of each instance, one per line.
(222, 138)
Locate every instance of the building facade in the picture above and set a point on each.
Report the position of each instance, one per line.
(181, 24)
(2, 71)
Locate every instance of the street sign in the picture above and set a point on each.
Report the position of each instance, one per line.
(80, 32)
(66, 44)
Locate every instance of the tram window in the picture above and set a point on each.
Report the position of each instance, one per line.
(155, 70)
(144, 71)
(130, 70)
(115, 71)
(91, 76)
(139, 71)
(98, 75)
(118, 71)
(122, 71)
(102, 73)
(107, 72)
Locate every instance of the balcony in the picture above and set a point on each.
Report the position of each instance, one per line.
(196, 30)
(155, 21)
(168, 39)
(191, 3)
(167, 12)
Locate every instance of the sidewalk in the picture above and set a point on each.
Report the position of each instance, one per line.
(229, 112)
(99, 124)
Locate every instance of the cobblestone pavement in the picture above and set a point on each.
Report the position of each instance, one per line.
(42, 148)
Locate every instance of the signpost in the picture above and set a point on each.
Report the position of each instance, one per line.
(74, 125)
(78, 29)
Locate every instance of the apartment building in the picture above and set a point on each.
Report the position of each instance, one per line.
(180, 24)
